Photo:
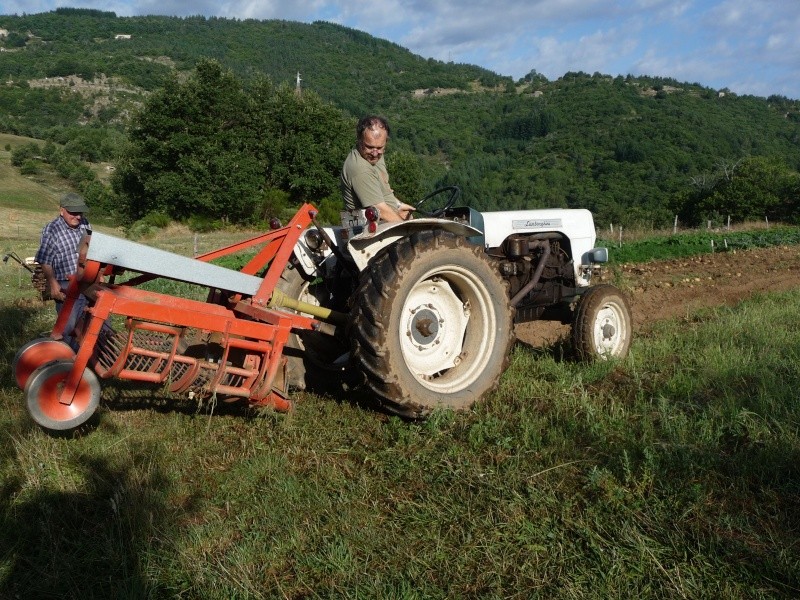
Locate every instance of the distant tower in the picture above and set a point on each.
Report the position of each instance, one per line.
(297, 89)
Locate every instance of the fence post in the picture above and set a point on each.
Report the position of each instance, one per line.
(675, 226)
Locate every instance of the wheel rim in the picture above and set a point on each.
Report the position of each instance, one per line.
(609, 333)
(36, 353)
(445, 326)
(43, 391)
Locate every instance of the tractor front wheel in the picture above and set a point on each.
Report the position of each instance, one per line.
(601, 327)
(43, 393)
(431, 324)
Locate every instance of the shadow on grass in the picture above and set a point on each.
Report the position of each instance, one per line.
(747, 516)
(92, 542)
(18, 324)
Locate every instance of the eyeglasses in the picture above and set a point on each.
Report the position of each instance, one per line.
(73, 214)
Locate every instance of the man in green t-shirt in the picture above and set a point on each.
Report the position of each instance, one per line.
(365, 180)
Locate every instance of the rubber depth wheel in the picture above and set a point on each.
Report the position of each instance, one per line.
(42, 393)
(602, 324)
(307, 352)
(34, 354)
(431, 324)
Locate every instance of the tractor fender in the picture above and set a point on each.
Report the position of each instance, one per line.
(365, 246)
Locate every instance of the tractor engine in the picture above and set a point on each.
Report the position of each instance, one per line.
(539, 271)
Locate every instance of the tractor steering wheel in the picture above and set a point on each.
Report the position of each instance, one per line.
(454, 192)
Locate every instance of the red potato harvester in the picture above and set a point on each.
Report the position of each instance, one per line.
(231, 345)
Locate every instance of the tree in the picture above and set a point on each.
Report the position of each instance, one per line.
(189, 151)
(210, 147)
(302, 139)
(755, 188)
(405, 169)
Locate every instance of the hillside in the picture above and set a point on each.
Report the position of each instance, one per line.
(633, 150)
(346, 66)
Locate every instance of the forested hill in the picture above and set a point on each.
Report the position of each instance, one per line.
(352, 69)
(632, 149)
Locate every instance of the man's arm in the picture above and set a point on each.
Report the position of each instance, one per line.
(44, 256)
(391, 215)
(52, 284)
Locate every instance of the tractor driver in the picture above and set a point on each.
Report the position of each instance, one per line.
(365, 180)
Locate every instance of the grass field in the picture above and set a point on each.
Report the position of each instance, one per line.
(672, 474)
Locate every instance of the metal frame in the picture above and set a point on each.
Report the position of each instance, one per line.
(236, 315)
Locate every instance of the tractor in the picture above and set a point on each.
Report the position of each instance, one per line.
(421, 313)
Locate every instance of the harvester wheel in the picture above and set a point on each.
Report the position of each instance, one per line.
(34, 354)
(44, 388)
(431, 324)
(602, 327)
(310, 351)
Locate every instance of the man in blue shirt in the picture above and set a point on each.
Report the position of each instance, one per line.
(58, 255)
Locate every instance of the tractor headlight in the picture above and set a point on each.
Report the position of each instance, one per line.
(314, 239)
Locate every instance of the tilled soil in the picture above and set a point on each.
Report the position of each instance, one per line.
(673, 288)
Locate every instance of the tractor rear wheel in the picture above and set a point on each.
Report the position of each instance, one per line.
(601, 327)
(43, 392)
(431, 324)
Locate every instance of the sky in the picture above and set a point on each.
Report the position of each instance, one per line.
(747, 46)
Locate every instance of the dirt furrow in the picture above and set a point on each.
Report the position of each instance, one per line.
(673, 288)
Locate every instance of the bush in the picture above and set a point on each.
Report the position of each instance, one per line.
(139, 230)
(330, 209)
(22, 153)
(29, 167)
(156, 219)
(273, 203)
(145, 226)
(203, 224)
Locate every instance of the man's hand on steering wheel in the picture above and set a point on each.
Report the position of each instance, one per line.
(406, 211)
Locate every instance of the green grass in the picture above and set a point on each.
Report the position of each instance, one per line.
(693, 243)
(675, 473)
(18, 192)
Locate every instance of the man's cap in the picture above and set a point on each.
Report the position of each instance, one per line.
(74, 203)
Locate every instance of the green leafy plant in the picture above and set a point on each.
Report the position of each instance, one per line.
(694, 243)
